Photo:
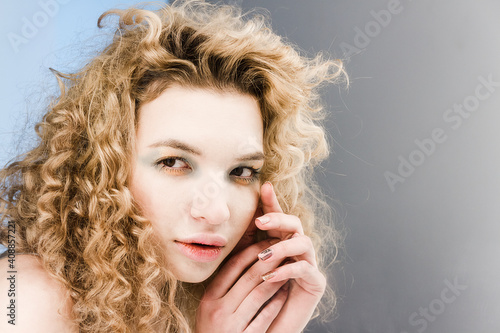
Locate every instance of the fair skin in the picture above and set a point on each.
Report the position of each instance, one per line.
(194, 178)
(193, 174)
(232, 299)
(42, 303)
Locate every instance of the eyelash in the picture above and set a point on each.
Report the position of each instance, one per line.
(246, 180)
(162, 164)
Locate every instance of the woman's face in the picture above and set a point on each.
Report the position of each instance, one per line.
(195, 174)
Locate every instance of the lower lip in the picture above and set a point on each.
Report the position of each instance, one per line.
(199, 253)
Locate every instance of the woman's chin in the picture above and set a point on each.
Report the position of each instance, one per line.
(194, 276)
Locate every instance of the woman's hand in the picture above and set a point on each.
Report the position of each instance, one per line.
(307, 283)
(237, 303)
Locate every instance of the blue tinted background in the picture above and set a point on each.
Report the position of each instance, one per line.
(61, 30)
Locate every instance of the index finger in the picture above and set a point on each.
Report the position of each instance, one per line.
(269, 200)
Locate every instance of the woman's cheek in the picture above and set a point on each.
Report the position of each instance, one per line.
(246, 206)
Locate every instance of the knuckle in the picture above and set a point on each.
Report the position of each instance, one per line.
(305, 266)
(322, 282)
(301, 267)
(318, 287)
(213, 311)
(216, 314)
(307, 240)
(251, 275)
(296, 220)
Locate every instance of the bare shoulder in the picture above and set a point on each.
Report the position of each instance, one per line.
(32, 300)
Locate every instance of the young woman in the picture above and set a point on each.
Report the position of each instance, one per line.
(171, 189)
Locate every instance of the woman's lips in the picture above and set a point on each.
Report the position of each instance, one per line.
(199, 252)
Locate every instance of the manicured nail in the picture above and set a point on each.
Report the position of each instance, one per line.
(266, 254)
(268, 275)
(264, 219)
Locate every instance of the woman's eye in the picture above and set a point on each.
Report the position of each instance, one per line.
(245, 174)
(174, 164)
(242, 172)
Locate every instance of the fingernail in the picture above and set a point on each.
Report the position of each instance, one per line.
(268, 182)
(266, 254)
(268, 275)
(264, 219)
(295, 235)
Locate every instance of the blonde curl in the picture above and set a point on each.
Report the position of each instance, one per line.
(69, 195)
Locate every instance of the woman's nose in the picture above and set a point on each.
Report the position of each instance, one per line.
(210, 204)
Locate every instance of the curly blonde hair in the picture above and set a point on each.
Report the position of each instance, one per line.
(69, 196)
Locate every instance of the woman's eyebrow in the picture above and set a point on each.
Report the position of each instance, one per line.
(173, 143)
(251, 157)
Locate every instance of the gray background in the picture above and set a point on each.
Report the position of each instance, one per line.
(440, 226)
(404, 245)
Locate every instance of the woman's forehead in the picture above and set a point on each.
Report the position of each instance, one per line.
(201, 117)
